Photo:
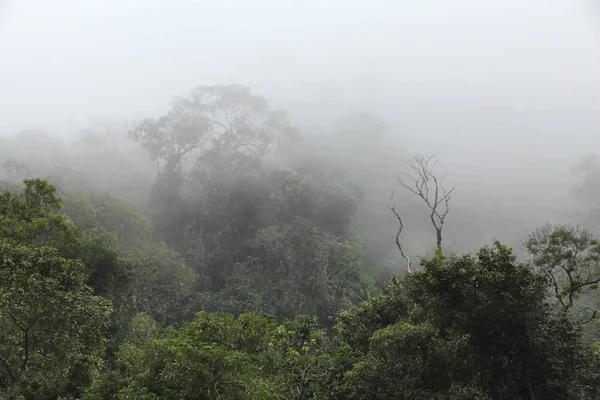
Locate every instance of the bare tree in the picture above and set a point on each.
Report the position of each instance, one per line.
(398, 244)
(421, 179)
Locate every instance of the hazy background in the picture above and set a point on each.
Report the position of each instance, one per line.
(507, 91)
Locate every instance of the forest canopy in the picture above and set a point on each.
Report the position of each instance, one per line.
(218, 252)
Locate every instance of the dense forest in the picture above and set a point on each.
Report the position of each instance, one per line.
(218, 252)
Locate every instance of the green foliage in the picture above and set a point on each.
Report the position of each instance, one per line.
(405, 361)
(248, 280)
(219, 221)
(325, 196)
(304, 270)
(356, 325)
(465, 327)
(160, 284)
(51, 322)
(49, 263)
(52, 325)
(236, 298)
(32, 217)
(105, 215)
(471, 327)
(224, 234)
(480, 326)
(306, 367)
(217, 357)
(216, 204)
(125, 262)
(569, 258)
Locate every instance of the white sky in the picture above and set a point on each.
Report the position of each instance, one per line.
(503, 79)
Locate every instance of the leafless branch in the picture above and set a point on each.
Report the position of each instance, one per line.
(420, 178)
(400, 229)
(398, 244)
(591, 317)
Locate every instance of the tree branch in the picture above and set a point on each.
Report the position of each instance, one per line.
(421, 173)
(398, 244)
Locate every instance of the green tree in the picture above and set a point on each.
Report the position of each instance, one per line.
(569, 258)
(305, 366)
(229, 127)
(102, 214)
(125, 261)
(160, 285)
(305, 271)
(52, 323)
(50, 320)
(217, 356)
(215, 134)
(322, 194)
(464, 327)
(32, 217)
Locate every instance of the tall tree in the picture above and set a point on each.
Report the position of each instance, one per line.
(51, 321)
(224, 132)
(231, 128)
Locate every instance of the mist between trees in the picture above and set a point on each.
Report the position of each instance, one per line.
(219, 252)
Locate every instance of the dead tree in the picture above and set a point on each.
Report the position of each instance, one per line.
(421, 179)
(398, 244)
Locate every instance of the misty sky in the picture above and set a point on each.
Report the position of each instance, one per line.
(473, 79)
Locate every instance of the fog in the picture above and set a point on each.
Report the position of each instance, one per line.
(507, 92)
